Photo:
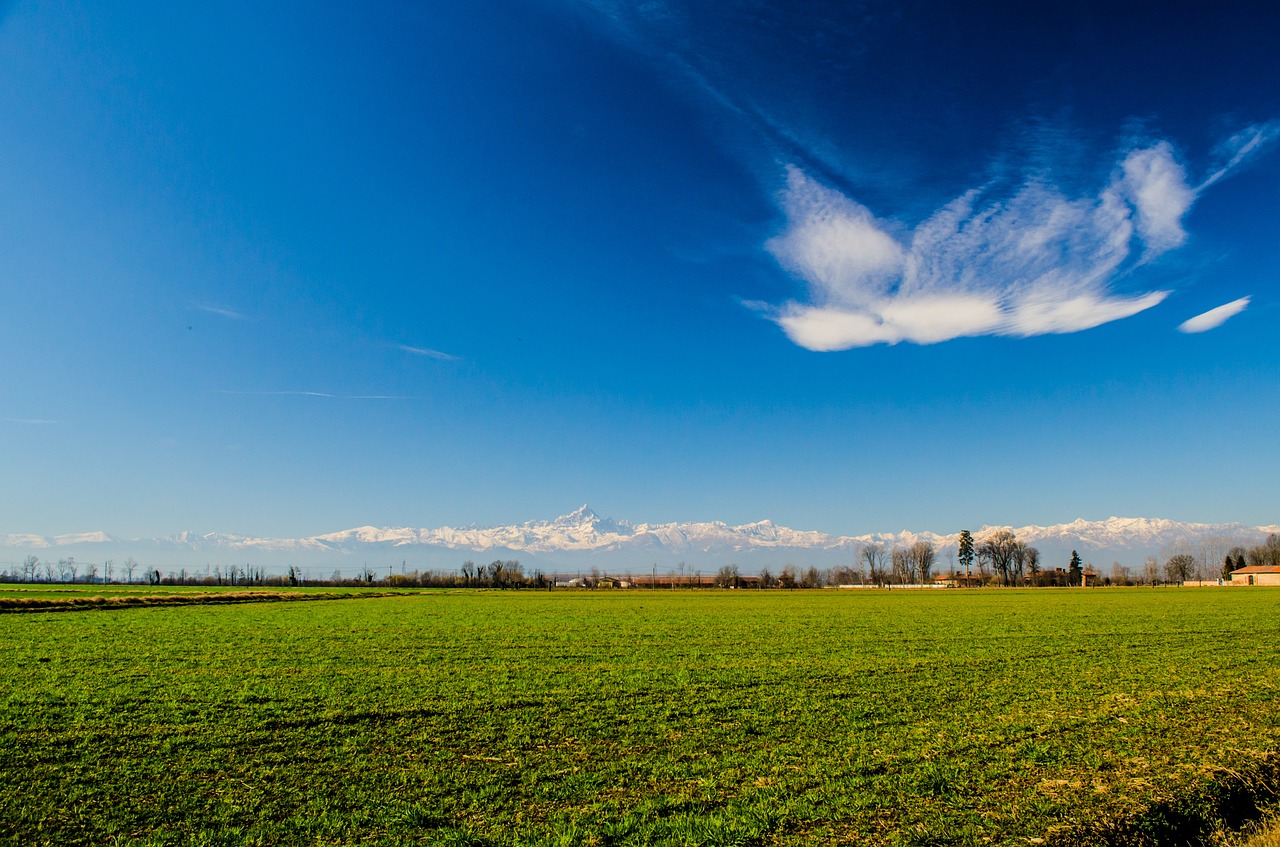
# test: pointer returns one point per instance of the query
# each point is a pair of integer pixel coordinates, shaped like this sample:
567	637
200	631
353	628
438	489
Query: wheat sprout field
1046	716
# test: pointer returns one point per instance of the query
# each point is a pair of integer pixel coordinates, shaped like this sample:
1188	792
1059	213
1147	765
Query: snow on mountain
583	533
82	538
21	540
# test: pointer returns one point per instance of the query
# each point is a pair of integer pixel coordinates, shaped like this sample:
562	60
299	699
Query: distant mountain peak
583	533
580	515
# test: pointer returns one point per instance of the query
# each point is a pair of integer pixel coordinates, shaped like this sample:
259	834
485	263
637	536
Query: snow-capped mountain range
583	537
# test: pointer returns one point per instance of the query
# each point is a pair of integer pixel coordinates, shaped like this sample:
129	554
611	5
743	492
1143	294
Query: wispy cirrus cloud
322	394
1035	262
427	352
1236	149
1214	318
222	311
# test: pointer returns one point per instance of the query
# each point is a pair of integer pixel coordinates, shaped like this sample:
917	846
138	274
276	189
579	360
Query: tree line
997	559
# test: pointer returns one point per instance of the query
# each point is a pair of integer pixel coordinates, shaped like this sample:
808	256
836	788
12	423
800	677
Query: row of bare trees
999	557
999	553
33	569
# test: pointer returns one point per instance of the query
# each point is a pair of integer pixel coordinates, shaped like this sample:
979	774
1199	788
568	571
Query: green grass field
596	718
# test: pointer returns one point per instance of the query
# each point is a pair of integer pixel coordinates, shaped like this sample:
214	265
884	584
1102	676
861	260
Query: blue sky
288	269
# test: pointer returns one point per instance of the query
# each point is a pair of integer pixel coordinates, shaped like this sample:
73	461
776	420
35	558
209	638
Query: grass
597	718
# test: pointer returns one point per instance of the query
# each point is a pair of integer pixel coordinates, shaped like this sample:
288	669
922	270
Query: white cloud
427	353
841	249
1030	263
1214	318
322	394
222	311
1157	185
1084	311
1241	146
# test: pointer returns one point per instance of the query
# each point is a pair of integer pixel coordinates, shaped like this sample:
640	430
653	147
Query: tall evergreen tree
966	551
1074	571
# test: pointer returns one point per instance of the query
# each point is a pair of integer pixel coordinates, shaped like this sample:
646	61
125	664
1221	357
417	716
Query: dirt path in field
127	601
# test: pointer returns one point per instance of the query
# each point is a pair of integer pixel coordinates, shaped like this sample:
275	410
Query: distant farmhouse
1256	575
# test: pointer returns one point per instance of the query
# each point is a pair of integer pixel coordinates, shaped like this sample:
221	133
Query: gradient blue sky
286	268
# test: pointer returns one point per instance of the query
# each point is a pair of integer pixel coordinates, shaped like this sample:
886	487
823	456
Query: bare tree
30	565
129	565
513	573
873	556
901	566
1025	558
921	555
1151	570
491	573
1266	554
1180	568
1031	558
90	572
998	549
983	558
842	575
787	578
1211	552
1119	574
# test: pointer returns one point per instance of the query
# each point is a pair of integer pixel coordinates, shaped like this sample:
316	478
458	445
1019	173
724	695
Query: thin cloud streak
33	421
1214	318
1033	263
1242	146
427	352
222	311
321	394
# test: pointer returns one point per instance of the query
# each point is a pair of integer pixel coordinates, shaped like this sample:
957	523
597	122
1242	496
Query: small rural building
958	580
1256	575
673	581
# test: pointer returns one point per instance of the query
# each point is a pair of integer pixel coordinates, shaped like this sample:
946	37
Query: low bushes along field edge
120	601
1225	804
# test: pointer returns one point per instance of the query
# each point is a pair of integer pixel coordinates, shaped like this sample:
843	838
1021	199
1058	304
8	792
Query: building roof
1257	569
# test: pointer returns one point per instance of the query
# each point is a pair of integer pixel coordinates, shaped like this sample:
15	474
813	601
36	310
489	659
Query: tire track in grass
18	605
